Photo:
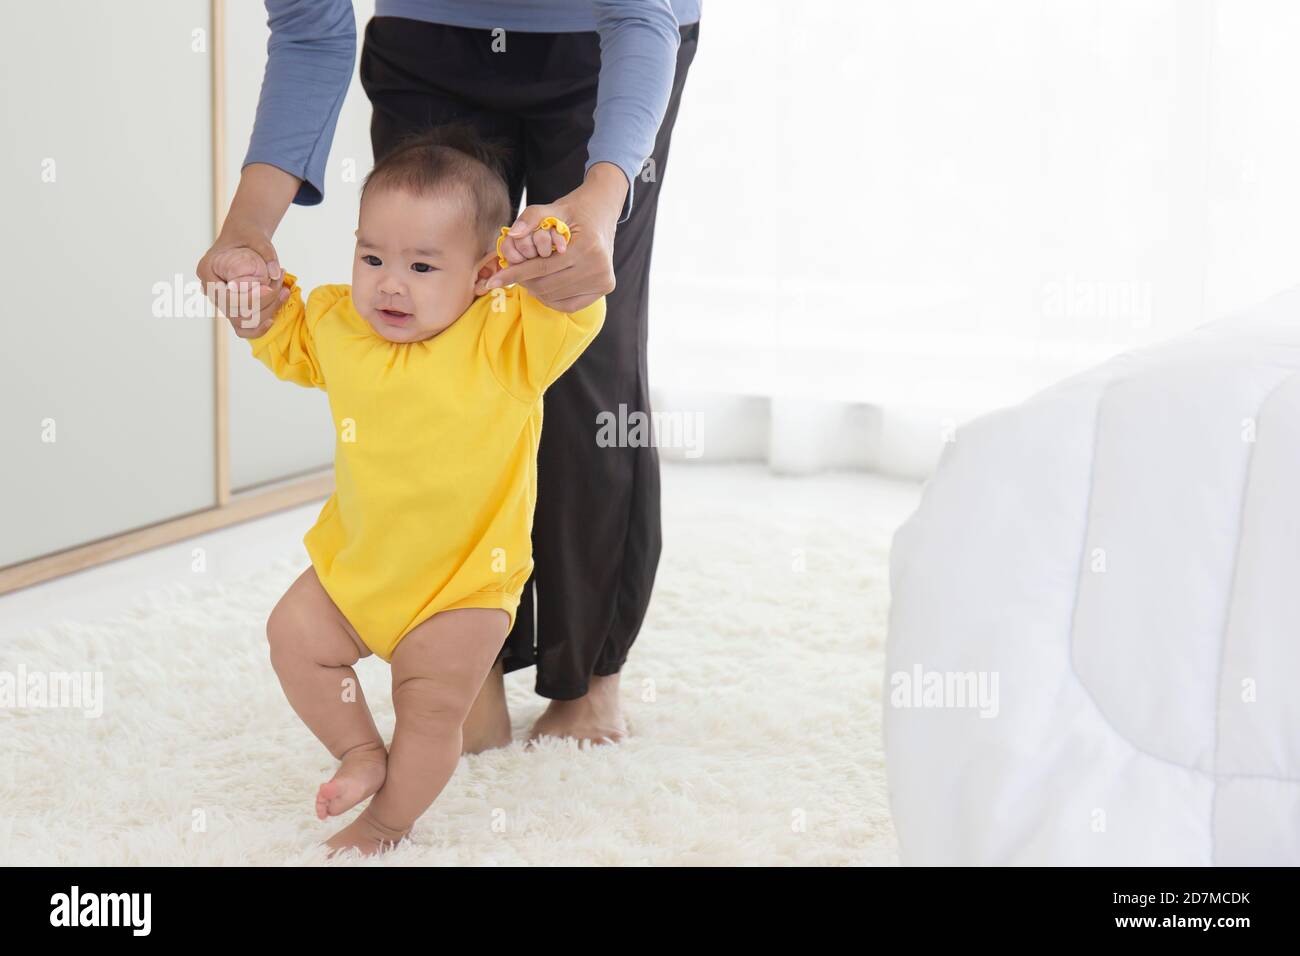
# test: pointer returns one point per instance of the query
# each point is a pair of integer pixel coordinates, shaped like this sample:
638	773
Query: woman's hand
585	270
242	277
241	273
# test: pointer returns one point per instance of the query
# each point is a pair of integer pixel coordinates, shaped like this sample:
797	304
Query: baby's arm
572	332
530	343
285	345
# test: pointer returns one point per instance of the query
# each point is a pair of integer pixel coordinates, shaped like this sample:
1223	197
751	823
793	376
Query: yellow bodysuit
435	458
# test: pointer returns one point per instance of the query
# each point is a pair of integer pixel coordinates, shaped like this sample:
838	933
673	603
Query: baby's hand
249	298
518	244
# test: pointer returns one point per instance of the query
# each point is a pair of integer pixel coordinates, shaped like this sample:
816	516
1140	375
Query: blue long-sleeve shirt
313	46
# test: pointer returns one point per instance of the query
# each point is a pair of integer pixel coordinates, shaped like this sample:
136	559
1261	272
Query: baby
421	553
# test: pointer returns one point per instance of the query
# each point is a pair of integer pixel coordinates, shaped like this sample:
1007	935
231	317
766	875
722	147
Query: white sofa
1115	563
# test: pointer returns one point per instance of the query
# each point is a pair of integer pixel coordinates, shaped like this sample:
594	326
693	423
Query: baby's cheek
434	298
364	275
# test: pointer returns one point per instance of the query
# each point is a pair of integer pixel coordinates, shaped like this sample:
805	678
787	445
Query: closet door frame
229	508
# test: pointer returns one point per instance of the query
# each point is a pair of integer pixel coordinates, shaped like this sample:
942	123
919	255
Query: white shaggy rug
753	695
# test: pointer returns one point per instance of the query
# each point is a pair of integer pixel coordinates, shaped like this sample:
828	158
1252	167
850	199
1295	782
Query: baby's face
415	265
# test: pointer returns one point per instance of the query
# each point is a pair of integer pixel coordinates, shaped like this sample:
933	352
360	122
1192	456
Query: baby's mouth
395	316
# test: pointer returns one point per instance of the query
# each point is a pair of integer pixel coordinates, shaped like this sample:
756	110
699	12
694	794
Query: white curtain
883	218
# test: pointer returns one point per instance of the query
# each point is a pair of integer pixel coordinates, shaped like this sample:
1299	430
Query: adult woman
585	92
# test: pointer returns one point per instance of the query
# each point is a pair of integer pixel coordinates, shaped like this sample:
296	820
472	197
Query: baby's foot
365	834
360	774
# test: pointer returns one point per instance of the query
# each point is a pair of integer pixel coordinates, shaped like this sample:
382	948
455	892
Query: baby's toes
328	792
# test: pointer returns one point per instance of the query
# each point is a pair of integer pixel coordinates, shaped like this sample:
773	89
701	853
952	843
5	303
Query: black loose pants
596	529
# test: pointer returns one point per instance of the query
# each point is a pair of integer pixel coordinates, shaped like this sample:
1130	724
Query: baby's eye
422	267
372	260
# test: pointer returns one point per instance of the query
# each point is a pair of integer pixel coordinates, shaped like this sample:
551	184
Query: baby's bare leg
313	648
438	669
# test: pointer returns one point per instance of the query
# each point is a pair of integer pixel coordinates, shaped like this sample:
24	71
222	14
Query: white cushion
1119	557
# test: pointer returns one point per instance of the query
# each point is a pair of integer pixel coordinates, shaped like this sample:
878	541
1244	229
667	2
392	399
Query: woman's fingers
574	303
526	271
570	283
230	278
248	296
240	274
239	263
556	280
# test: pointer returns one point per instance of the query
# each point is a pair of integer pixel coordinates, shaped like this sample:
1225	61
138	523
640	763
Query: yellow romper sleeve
287	348
530	345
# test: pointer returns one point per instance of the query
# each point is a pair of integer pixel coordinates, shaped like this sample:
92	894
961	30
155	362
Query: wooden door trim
242	506
220	361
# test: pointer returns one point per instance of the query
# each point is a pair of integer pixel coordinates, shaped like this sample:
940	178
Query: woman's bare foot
365	834
597	717
360	774
488	723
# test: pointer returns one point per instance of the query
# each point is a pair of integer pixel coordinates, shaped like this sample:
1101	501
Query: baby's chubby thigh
441	664
306	625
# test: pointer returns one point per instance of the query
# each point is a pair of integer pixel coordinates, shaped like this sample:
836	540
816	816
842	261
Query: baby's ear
487	267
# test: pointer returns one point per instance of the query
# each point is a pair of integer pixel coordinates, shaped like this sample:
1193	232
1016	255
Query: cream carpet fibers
753	696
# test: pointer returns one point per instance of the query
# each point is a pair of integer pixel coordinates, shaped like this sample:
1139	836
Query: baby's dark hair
450	158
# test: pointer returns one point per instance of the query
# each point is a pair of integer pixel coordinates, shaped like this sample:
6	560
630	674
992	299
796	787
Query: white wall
949	204
1254	161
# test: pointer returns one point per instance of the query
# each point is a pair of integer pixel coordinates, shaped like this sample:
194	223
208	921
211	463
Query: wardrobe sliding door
106	387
